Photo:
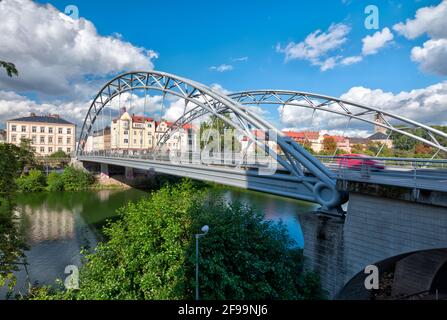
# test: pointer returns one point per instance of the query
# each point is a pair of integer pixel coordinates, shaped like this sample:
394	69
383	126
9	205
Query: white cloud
317	46
217	87
426	105
351	60
432	56
241	59
372	44
431	20
13	105
329	63
57	55
222	68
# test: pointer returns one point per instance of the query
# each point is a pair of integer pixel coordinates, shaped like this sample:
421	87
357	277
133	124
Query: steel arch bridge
301	175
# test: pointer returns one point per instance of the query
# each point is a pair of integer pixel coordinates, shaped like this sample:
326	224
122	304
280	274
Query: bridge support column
104	171
129	173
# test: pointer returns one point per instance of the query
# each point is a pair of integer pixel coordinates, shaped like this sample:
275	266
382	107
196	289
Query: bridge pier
129	173
383	226
104	171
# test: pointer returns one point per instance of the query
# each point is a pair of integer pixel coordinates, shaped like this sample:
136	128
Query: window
50	130
34	149
68	130
13	128
42	139
13	138
59	149
134	141
126	132
60	131
42	129
23	137
126	140
68	140
50	139
59	140
50	149
23	128
42	149
68	150
34	129
34	139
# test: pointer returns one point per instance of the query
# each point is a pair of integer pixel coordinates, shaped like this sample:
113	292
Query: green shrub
150	253
34	181
75	179
54	182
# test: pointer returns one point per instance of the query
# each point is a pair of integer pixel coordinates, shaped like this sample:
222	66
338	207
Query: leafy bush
34	181
150	253
75	179
59	155
54	182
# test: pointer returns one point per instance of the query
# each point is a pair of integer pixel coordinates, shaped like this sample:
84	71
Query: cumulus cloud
432	56
58	55
426	105
217	87
372	44
431	20
351	60
317	46
222	68
13	105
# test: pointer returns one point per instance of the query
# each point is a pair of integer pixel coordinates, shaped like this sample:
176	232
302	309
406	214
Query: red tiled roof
141	119
303	135
338	138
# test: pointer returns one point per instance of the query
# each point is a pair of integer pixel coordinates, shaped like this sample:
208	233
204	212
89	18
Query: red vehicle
359	162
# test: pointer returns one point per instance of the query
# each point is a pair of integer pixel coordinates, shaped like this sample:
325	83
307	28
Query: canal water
59	225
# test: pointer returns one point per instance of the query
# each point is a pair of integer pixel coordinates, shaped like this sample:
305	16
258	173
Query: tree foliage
34	181
75	179
150	253
12	243
329	144
10	68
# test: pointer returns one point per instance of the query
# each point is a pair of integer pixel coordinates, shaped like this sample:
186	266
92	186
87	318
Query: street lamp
205	230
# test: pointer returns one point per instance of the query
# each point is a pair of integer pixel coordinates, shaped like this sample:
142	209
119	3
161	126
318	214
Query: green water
58	225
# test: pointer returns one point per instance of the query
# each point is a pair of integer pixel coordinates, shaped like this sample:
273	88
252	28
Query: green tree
150	253
12	242
55	182
34	181
329	145
26	156
216	123
10	68
76	179
59	155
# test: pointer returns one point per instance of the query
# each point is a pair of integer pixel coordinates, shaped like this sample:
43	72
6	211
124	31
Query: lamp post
205	230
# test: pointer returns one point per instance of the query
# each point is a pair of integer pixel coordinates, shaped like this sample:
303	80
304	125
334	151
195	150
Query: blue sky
315	46
192	36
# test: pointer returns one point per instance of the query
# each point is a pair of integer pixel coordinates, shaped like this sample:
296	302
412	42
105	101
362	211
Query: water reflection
275	209
59	225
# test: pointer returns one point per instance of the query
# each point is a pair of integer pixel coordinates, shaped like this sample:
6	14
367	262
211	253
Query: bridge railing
218	159
410	172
